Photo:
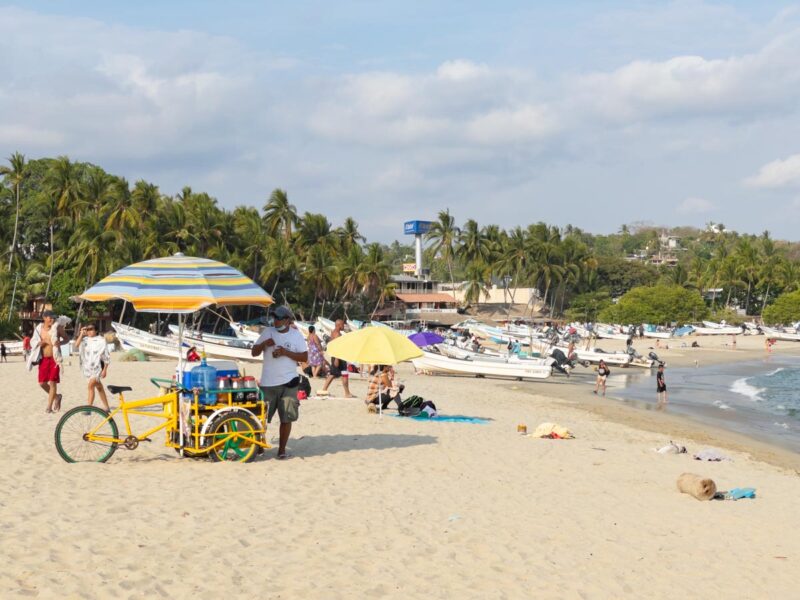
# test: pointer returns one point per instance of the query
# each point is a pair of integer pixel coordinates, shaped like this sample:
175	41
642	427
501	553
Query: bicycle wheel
237	432
71	431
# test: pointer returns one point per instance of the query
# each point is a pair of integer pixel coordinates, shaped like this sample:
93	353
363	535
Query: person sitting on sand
382	388
95	359
602	375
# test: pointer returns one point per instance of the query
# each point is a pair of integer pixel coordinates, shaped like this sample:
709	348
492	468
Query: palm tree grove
66	224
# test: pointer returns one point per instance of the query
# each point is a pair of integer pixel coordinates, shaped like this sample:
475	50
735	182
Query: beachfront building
419	300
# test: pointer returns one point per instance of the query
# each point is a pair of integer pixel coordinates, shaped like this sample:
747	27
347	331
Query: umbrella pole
380	401
180	375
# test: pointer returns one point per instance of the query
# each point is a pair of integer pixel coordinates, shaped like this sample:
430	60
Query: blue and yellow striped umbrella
178	284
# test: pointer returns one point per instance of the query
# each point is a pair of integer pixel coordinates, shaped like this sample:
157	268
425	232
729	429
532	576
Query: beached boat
439	364
151	344
711	328
13	347
609	332
651	331
324	326
779	333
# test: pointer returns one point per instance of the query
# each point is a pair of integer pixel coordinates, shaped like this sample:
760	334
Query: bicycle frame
132	408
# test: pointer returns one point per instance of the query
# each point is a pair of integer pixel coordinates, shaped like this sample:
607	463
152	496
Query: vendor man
283	346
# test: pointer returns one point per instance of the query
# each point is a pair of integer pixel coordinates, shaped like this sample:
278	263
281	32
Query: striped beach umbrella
178	284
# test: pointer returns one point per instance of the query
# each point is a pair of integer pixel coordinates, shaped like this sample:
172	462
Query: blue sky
590	113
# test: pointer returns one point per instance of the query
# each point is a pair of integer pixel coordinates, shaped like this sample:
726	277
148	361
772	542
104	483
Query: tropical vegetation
64	225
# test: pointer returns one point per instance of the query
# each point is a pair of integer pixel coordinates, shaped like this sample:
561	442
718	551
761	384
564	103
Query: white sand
388	508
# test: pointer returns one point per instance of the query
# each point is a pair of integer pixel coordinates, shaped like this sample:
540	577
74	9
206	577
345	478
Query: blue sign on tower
416	227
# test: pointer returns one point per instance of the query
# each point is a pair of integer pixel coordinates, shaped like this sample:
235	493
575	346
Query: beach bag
410	406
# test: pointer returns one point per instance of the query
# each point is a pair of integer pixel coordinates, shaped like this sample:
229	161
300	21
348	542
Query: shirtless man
338	366
49	370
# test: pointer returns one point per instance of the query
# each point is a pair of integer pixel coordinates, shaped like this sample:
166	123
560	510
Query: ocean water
759	398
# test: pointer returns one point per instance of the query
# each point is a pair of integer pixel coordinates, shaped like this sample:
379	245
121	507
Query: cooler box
225	368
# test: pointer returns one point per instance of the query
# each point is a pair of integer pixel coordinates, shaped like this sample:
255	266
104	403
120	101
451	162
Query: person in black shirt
661	387
602	375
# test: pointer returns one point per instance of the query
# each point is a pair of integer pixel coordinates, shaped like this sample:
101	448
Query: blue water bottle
204	377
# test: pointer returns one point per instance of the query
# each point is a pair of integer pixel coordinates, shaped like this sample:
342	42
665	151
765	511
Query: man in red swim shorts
46	352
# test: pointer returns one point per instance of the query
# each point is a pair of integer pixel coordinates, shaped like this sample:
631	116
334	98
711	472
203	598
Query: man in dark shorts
283	347
661	387
338	366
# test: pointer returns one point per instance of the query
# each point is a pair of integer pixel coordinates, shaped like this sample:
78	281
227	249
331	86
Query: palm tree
251	231
280	214
122	214
748	263
314	229
472	243
280	258
444	235
376	270
145	197
91	246
64	183
319	272
477	274
770	261
348	234
350	271
14	175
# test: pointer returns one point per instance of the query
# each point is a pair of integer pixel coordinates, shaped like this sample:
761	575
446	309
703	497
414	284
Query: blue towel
739	493
447	418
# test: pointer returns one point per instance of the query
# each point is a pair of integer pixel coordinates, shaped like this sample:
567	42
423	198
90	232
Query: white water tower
417	229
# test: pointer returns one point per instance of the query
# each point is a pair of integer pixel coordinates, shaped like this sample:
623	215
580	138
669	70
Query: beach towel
711	455
447	418
35	356
553	431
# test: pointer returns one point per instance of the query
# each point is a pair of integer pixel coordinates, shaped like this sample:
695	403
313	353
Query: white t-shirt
281	370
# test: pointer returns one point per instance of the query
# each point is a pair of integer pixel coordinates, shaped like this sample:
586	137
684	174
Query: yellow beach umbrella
374	346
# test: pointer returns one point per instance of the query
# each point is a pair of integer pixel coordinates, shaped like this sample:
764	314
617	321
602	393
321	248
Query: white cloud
777	174
694	206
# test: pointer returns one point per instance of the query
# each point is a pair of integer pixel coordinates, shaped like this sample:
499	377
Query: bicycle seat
116	389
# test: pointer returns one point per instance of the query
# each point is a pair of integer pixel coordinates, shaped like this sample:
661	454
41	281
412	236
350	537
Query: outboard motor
654	357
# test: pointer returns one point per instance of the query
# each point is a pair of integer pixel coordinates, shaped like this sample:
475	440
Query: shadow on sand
320	445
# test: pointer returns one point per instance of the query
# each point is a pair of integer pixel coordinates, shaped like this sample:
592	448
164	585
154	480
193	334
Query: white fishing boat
780	333
651	331
151	344
438	364
201	336
711	328
324	326
609	332
13	347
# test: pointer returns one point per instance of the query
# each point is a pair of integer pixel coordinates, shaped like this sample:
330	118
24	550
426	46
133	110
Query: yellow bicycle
230	428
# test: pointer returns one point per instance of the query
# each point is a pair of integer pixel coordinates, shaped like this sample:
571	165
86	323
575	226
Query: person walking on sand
3	352
602	375
46	352
283	347
316	356
95	359
661	387
338	366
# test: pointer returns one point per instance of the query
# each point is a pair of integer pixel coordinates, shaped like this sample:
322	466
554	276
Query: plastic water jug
204	377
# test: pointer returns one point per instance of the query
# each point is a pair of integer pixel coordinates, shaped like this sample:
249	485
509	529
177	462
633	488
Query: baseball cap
283	312
49	313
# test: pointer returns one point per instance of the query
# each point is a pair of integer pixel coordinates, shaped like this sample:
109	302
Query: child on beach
661	387
602	375
95	359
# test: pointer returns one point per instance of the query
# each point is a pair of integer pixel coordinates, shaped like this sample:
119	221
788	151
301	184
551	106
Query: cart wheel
236	434
71	431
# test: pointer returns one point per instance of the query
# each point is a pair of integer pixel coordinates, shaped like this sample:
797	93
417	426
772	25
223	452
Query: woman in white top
95	359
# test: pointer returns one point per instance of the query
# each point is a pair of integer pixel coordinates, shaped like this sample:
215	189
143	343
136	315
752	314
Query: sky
590	113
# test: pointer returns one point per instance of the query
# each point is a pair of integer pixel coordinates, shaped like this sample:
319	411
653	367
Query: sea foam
740	386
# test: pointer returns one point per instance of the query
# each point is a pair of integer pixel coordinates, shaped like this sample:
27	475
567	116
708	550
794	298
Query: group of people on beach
661	386
44	352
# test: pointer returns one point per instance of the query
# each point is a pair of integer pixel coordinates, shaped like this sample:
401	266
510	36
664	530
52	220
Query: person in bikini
602	376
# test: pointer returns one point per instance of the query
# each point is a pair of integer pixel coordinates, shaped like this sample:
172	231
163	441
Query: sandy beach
391	507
